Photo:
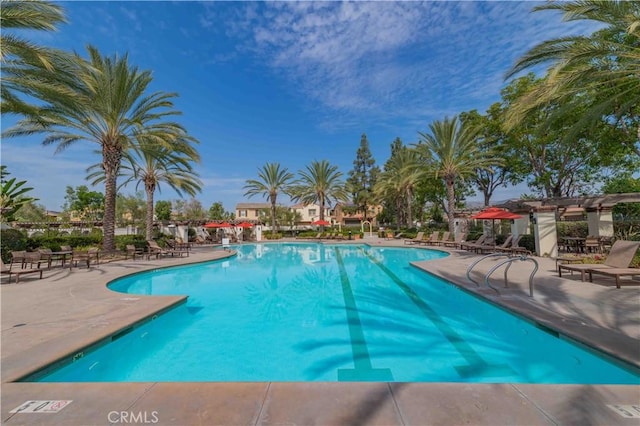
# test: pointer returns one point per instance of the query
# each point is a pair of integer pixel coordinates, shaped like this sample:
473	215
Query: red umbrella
244	225
224	225
493	214
212	225
321	223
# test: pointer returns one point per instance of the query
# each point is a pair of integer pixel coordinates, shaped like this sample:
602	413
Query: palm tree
273	180
20	58
605	65
320	183
398	181
152	164
451	150
110	108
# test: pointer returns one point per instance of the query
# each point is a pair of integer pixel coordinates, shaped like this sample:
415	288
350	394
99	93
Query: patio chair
6	270
417	240
91	255
592	245
457	242
133	251
46	255
620	256
18	257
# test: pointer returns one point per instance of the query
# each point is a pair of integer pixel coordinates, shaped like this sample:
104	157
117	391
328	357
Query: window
312	212
242	213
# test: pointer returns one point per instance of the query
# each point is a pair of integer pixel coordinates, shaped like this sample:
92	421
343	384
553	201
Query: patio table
576	243
62	255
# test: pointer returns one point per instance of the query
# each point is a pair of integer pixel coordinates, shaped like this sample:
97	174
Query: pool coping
267	401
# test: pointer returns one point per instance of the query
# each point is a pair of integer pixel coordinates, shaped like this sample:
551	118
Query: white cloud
392	59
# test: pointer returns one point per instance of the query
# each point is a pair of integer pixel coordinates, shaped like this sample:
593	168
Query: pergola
543	214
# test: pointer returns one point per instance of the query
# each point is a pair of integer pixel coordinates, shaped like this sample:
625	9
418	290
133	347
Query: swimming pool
318	312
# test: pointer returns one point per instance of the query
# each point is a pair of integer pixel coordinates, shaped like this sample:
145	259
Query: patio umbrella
321	223
225	225
212	225
244	225
493	214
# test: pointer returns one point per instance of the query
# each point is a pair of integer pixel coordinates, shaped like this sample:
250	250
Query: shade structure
225	225
321	223
495	213
244	225
212	225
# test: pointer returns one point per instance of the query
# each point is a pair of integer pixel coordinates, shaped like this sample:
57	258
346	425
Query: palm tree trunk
322	212
111	156
149	225
451	202
273	214
409	209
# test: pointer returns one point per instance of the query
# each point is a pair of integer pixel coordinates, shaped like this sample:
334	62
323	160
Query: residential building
345	215
311	212
250	211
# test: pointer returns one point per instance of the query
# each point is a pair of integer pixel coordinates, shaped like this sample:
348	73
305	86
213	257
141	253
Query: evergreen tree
362	177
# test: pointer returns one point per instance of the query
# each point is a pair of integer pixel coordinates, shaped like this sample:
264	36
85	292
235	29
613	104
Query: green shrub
270	236
12	240
307	234
528	241
54	242
572	229
138	241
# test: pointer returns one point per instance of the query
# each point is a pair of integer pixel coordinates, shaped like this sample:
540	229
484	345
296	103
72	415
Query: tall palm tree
273	180
605	64
451	150
111	108
320	183
151	165
20	58
398	181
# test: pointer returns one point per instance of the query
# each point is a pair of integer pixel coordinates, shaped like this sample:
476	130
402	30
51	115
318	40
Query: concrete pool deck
55	317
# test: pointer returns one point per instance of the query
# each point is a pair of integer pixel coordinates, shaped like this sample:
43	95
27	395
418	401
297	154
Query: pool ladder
510	259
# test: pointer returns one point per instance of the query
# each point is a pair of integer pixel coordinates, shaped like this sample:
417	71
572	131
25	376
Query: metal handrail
480	260
506	282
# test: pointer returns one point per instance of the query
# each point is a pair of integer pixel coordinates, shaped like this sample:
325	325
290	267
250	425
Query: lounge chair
417	240
515	248
471	245
620	256
7	271
614	272
443	238
154	248
489	248
457	242
433	238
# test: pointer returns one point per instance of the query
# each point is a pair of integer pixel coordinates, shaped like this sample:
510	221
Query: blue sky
293	82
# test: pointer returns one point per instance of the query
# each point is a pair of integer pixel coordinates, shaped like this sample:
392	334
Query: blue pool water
316	312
